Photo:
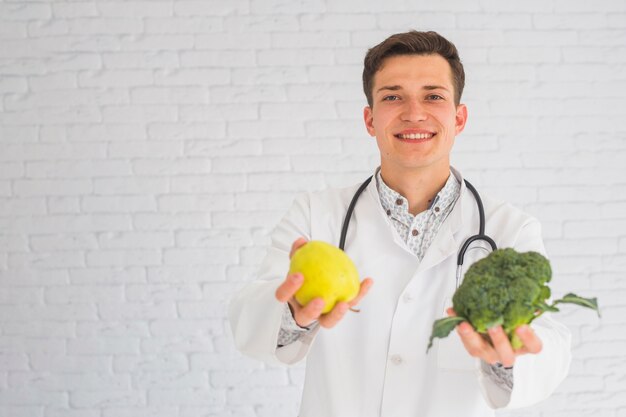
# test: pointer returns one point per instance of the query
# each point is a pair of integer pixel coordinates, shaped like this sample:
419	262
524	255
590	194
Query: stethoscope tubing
346	221
481	229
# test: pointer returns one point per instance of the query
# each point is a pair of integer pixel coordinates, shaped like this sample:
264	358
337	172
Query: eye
434	97
391	98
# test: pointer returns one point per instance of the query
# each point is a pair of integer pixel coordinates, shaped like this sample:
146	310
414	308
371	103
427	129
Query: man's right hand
306	315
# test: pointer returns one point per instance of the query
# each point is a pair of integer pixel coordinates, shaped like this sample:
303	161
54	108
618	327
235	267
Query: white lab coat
374	363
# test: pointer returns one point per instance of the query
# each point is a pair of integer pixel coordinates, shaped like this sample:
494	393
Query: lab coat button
396	359
407	298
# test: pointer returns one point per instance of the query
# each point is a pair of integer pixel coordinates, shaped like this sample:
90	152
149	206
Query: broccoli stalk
506	288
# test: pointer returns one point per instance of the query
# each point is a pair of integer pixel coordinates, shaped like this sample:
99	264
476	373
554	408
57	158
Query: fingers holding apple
364	288
330	319
322	284
307	314
297	244
293	282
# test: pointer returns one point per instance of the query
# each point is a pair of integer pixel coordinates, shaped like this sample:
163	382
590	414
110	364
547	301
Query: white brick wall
147	148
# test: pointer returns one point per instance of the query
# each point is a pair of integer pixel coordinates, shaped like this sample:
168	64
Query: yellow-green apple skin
328	273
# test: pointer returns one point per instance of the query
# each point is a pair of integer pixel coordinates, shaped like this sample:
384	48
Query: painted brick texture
148	148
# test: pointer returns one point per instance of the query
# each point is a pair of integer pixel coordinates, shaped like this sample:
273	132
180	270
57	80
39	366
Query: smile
415	136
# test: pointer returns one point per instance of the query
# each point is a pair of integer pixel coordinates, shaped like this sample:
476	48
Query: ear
461	118
368	117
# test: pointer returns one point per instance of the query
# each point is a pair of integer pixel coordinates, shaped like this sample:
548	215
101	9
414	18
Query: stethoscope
480	236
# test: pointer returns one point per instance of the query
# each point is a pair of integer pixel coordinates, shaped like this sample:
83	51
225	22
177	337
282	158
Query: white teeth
416	136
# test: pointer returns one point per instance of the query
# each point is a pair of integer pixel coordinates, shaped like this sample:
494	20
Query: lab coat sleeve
535	376
254	313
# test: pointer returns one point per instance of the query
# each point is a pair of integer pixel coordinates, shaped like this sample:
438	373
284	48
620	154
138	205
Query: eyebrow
389	87
397	87
435	87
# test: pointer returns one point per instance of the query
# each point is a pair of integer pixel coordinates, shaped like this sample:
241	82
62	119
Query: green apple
328	273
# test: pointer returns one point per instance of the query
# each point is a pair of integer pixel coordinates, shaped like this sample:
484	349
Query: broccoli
506	288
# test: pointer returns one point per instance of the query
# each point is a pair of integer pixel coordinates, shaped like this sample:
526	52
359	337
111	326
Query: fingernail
522	329
297	278
494	330
318	303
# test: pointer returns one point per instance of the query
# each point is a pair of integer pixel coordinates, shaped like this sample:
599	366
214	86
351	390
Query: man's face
413	114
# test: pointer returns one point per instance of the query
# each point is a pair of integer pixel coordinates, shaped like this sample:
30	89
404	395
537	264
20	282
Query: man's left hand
501	351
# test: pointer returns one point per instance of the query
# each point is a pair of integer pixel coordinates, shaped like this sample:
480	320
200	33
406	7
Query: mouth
415	137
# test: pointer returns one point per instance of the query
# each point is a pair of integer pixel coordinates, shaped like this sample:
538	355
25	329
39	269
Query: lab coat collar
447	242
374	200
397	206
456	216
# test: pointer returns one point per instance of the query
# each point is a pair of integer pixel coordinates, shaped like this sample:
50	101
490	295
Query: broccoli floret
506	288
484	300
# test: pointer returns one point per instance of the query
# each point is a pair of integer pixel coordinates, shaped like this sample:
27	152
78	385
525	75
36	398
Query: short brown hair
413	43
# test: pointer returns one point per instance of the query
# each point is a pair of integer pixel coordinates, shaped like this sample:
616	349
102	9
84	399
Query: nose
414	111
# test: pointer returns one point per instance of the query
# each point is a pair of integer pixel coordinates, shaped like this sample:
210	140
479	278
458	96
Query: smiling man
409	222
415	118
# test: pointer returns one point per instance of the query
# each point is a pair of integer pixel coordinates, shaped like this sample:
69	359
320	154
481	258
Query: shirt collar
397	206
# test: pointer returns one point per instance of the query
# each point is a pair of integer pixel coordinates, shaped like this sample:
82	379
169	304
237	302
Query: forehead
414	69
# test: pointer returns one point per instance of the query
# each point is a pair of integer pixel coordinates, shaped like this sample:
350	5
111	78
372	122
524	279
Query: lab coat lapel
441	248
447	242
382	222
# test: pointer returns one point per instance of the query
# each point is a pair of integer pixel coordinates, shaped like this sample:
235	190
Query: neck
419	186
